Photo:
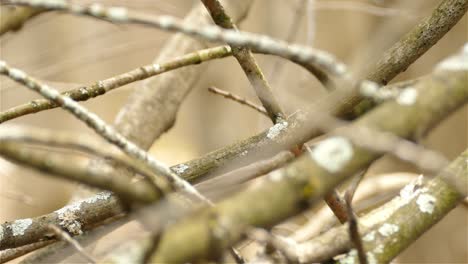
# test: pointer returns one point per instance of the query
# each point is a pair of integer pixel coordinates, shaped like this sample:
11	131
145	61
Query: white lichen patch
368	88
276	175
369	236
371	258
408	96
17	74
426	203
102	196
1	233
181	168
166	21
275	130
458	62
156	67
412	189
69	208
465	49
69	219
379	249
3	66
350	258
388	229
117	13
333	153
19	226
54	3
96	10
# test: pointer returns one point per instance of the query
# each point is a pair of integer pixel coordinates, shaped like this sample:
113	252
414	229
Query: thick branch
141	73
195	169
392	227
304	181
13	18
103	86
59	166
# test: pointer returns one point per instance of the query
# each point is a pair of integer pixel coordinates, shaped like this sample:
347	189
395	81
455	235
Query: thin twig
305	180
57	165
351	190
78	142
323	218
257	42
238	99
248	63
100	127
13	253
103	86
141	73
66	237
354	235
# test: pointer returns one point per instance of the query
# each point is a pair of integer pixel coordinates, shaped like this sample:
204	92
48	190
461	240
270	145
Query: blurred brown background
66	51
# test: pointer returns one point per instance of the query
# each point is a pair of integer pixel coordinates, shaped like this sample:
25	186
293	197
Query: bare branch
109	84
13	253
354	235
299	53
66	237
57	165
13	18
371	187
248	63
238	99
100	127
308	178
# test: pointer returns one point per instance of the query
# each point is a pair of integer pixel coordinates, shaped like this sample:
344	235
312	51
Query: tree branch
300	184
13	18
238	99
248	63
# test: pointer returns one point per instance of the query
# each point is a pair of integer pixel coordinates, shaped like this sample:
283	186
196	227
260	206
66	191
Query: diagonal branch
238	99
248	63
13	18
299	185
392	227
100	127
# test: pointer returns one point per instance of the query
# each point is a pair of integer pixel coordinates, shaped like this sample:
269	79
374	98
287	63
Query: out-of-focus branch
392	227
66	237
304	181
262	43
354	234
439	22
101	87
420	208
248	63
13	18
59	166
76	218
343	101
188	171
141	73
238	99
152	109
76	142
407	50
100	127
12	253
